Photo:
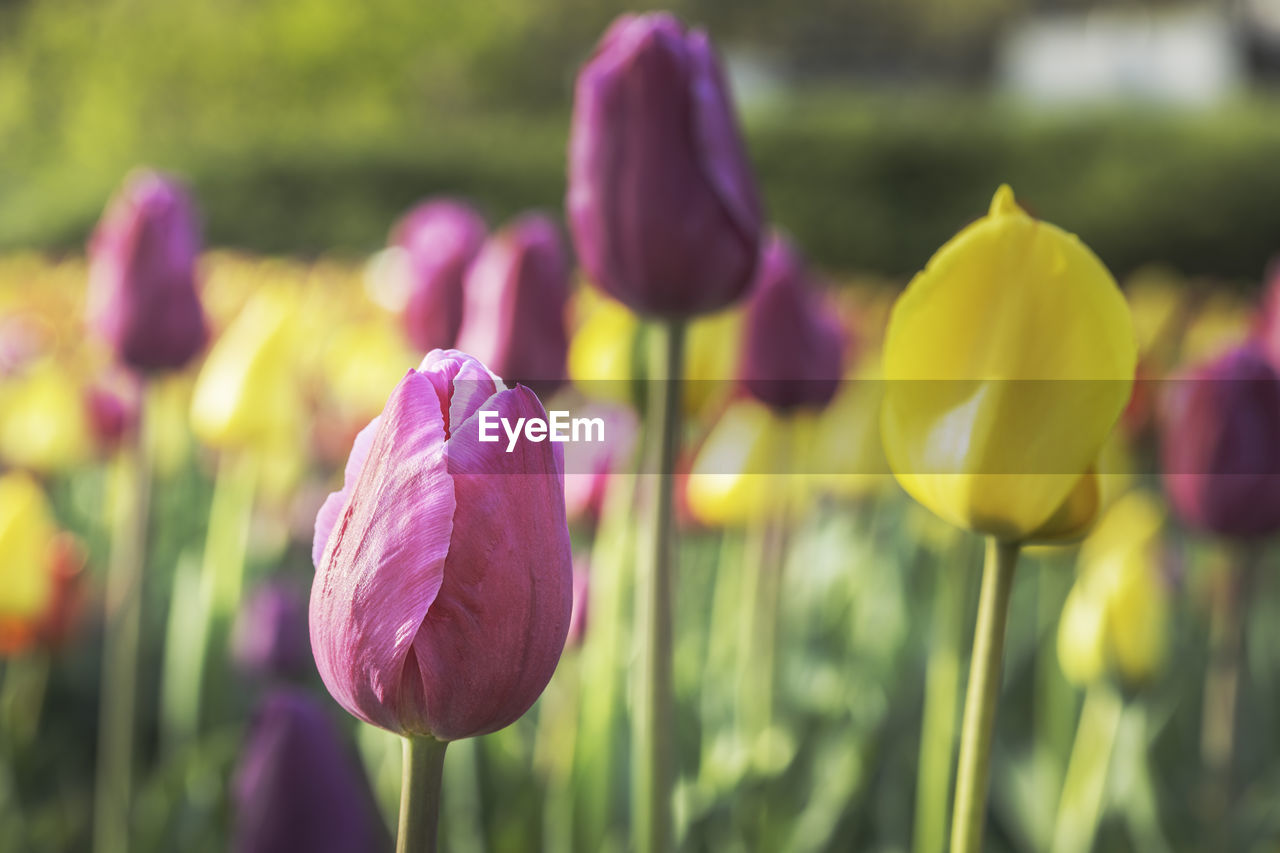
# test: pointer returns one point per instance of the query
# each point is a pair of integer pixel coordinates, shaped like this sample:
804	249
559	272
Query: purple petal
384	562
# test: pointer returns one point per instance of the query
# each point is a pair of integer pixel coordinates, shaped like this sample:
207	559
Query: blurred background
306	128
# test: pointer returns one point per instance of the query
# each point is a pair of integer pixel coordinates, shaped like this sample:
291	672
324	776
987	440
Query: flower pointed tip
1003	203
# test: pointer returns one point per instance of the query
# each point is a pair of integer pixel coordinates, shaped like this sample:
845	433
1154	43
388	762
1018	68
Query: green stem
420	794
123	624
974	770
941	697
653	721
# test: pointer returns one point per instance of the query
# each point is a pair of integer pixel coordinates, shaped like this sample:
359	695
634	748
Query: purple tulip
516	293
444	585
269	638
662	204
441	238
142	275
1220	445
298	787
792	345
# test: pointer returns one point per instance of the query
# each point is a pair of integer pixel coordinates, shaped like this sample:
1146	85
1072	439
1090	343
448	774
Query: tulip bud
299	787
1219	447
1007	362
793	347
112	405
516	293
441	238
39	569
1115	618
142	275
269	638
26	532
661	201
443	582
43	422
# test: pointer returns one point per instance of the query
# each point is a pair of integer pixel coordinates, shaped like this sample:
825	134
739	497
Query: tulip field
634	526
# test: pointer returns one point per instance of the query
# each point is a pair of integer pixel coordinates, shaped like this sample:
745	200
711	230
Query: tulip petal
463	383
492	639
384	562
332	507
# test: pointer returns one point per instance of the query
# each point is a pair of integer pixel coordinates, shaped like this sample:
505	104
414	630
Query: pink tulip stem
985	668
122	629
652	744
420	794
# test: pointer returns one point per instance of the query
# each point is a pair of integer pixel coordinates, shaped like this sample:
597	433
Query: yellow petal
1082	638
977	423
247	391
742	474
26	534
43	425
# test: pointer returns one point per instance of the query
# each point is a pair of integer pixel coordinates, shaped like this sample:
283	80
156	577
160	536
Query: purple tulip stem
122	627
985	666
1232	588
420	794
652	744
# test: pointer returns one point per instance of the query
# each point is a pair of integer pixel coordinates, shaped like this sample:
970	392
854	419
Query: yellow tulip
43	422
602	350
246	395
1116	616
847	459
27	532
362	364
745	471
976	424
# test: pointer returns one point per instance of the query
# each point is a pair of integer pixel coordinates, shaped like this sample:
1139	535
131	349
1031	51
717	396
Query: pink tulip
514	305
443	582
441	238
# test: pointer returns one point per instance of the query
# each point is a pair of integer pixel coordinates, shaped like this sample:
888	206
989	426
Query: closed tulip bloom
1116	617
269	638
443	585
142	275
1219	445
661	201
440	238
299	786
516	295
44	424
1007	362
792	345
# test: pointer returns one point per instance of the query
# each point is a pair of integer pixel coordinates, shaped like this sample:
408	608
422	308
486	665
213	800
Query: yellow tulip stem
1080	807
941	695
652	745
421	784
985	668
120	642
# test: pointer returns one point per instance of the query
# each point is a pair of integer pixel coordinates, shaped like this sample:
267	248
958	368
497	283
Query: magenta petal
462	382
384	563
332	507
494	635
